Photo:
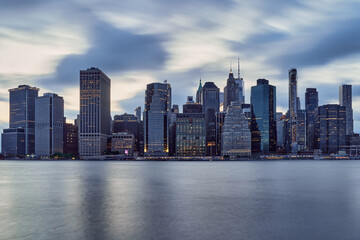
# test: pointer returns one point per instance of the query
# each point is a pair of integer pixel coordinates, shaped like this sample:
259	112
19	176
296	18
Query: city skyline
198	40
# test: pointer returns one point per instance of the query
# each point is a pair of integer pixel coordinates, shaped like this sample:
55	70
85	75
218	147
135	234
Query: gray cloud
112	50
342	41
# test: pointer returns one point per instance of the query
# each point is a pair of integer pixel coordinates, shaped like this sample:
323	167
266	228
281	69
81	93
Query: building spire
230	66
200	86
239	68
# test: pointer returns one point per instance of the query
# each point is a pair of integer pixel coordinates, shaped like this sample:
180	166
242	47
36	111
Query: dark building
71	139
330	125
209	97
263	110
95	116
49	128
138	113
345	99
220	119
190	134
301	127
191	107
293	110
22	115
311	104
231	91
198	92
13	142
128	123
156	119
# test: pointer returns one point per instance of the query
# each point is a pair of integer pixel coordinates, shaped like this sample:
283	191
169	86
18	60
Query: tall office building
263	111
345	99
191	107
138	113
22	115
190	134
49	124
301	129
128	123
231	92
95	116
209	97
240	86
280	138
236	135
71	139
156	119
293	105
330	126
311	104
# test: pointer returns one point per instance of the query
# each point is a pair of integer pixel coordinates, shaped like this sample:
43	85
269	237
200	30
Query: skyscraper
345	99
22	115
209	97
293	104
49	124
198	92
71	139
311	104
94	112
330	126
138	113
156	119
240	86
128	123
236	136
231	92
263	111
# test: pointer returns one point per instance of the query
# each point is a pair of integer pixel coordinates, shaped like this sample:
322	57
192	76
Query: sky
44	43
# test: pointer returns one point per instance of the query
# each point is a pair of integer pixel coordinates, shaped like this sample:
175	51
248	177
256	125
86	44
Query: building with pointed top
240	86
198	92
230	91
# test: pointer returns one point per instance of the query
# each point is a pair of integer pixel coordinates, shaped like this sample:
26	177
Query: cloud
112	50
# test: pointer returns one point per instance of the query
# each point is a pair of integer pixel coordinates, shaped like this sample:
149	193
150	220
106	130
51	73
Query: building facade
293	109
345	99
128	123
49	124
13	142
190	134
123	143
231	91
22	115
311	104
95	116
156	119
263	111
330	126
71	139
236	135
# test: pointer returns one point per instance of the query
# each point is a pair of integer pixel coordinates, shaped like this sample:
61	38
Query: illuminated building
263	111
156	119
236	135
94	112
190	134
123	143
330	128
345	99
49	120
128	123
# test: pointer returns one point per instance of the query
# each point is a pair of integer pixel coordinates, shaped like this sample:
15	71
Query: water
180	200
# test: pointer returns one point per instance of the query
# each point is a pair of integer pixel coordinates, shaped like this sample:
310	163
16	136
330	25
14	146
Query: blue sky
44	43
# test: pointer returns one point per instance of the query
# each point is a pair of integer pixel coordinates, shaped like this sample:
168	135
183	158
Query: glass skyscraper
330	128
22	115
49	128
345	99
293	109
263	111
156	119
311	104
95	116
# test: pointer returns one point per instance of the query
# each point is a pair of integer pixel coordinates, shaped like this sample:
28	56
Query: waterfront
180	200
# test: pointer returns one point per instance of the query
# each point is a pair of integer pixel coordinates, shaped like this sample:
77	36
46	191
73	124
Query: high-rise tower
49	120
240	86
230	91
293	104
311	103
94	112
345	99
157	119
